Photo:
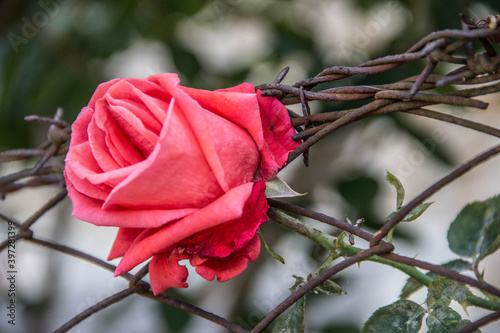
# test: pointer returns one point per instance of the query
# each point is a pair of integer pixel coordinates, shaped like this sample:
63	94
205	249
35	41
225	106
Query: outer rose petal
272	134
123	240
229	267
228	207
101	90
165	272
237	104
235	235
278	133
89	209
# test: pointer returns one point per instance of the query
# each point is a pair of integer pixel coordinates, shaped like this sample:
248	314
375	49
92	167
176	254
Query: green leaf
475	232
410	287
277	188
414	214
442	290
491	241
271	252
417	211
445	320
402	316
293	319
400	191
413	285
331	288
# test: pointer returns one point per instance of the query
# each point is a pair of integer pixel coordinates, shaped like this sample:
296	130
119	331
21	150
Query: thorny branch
399	216
480	322
410	96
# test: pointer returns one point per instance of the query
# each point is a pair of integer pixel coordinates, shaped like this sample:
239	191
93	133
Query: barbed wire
405	96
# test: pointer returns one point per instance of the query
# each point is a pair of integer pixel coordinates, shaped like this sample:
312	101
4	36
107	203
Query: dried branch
196	311
45	208
100	306
77	254
48	170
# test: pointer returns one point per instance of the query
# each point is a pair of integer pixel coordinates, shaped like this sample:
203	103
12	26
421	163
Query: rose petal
238	104
272	133
174	176
124	238
127	95
228	207
233	236
278	133
229	149
89	209
101	90
85	187
165	272
228	267
155	105
98	146
120	146
79	127
144	139
84	166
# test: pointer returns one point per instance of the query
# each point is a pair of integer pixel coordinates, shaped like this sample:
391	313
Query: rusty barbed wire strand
396	106
432	42
48	170
455	120
436	47
401	263
329	128
196	311
419	112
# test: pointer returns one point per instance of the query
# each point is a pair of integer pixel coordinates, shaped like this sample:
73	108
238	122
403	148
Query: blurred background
54	53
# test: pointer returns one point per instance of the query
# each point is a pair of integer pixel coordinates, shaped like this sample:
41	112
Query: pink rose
180	171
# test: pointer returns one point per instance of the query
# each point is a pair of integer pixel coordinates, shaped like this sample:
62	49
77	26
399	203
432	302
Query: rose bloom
180	171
